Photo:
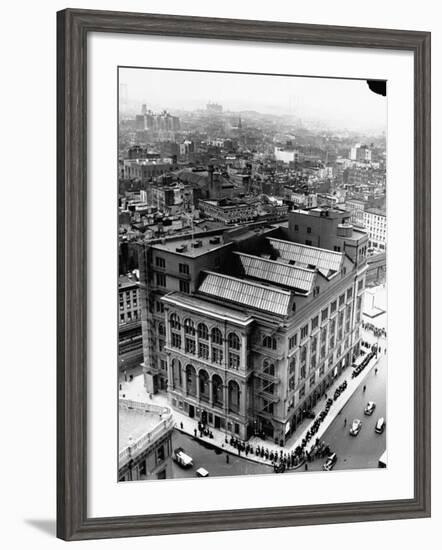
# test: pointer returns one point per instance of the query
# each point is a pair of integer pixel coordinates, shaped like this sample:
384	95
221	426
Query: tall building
255	330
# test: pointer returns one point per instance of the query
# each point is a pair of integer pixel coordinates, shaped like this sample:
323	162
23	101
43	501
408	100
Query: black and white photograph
252	296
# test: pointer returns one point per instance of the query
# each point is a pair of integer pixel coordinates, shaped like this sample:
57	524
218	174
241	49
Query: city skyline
337	103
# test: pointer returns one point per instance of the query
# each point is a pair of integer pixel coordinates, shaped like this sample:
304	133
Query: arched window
175	322
217	391
217	337
191	380
269	342
203	332
161	329
189	327
204	385
233	341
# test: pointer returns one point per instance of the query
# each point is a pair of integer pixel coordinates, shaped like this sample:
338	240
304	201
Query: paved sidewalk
135	390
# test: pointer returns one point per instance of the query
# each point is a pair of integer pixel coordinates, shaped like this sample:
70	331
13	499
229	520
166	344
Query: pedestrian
345	422
376	370
364	388
306	466
227	459
181	425
195	432
121	387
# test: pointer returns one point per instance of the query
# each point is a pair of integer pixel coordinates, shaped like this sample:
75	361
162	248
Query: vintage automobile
355	427
369	408
202	472
181	458
380	425
330	462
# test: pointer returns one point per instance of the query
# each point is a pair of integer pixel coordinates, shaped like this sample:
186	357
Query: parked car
380	425
182	458
330	462
369	408
202	472
355	427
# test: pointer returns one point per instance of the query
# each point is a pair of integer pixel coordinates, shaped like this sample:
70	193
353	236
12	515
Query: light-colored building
145	441
375	223
228	211
286	155
360	153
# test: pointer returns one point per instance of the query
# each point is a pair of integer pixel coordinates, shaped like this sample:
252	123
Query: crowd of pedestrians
378	332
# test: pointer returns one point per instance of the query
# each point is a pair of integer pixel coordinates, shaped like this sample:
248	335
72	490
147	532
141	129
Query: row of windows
161	263
216	337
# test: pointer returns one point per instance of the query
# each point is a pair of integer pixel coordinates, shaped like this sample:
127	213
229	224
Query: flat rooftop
134	423
190	250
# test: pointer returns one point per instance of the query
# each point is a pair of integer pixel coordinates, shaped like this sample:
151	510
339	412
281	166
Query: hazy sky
341	103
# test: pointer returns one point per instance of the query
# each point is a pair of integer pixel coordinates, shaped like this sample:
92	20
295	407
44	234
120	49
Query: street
364	450
213	460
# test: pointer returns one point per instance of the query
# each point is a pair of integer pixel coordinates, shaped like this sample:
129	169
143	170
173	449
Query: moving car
330	462
182	458
380	425
369	408
202	472
355	427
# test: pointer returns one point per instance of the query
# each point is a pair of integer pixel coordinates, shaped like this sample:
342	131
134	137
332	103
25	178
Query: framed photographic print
243	274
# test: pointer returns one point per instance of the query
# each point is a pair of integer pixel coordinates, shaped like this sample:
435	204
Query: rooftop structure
266	298
300	279
192	248
328	263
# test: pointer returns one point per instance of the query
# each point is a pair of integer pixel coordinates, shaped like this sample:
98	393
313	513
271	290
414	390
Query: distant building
145	441
360	153
228	211
130	345
286	155
146	169
214	108
301	199
356	209
375	223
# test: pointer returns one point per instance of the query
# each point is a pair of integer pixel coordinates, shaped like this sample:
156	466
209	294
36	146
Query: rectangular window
185	287
160	262
292	366
160	345
349	293
302	372
324	314
333	307
304	332
161	279
203	351
296	227
233	361
176	340
291	383
293	340
190	346
341	300
308	242
309	229
184	268
315	322
312	380
360	285
321	369
217	355
302	392
337	248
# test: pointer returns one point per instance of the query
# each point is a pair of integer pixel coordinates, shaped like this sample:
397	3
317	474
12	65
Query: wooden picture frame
73	27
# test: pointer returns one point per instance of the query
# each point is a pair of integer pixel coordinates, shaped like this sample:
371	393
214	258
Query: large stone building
130	346
254	331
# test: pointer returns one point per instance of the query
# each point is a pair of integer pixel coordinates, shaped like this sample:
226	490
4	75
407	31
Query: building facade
145	441
375	223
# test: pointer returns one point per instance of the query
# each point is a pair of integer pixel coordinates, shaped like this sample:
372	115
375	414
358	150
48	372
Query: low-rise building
145	441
